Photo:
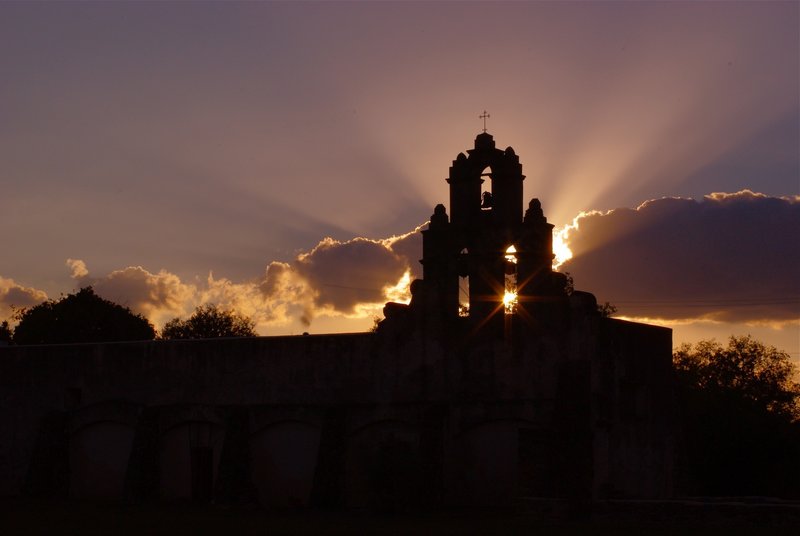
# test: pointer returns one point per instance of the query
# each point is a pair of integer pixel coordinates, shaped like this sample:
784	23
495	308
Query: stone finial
439	217
534	213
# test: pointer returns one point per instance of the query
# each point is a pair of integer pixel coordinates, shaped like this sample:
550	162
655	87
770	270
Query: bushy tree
209	321
80	317
738	409
746	368
6	335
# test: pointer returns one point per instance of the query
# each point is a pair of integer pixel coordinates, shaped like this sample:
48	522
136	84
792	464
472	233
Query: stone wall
342	420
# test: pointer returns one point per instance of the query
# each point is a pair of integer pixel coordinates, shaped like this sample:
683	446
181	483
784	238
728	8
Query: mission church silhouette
497	382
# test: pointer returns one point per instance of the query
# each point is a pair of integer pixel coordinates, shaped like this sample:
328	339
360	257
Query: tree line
86	317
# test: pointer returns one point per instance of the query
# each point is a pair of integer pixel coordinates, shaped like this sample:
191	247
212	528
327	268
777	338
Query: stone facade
330	419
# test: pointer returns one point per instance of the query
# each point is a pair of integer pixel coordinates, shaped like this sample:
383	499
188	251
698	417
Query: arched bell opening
463	284
510	298
487	201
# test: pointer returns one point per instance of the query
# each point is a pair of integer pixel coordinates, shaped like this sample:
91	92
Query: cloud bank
730	257
346	275
352	278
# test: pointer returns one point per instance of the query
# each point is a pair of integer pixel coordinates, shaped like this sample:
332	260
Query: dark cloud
346	274
351	278
409	247
729	257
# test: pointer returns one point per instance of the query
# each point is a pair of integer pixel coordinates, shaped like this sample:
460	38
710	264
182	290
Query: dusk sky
274	157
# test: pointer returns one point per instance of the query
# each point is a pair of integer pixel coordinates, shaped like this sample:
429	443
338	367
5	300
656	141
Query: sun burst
510	302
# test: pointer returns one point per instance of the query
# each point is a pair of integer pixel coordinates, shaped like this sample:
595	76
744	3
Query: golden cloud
16	296
350	279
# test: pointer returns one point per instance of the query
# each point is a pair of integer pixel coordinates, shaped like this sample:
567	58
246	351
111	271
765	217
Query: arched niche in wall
382	466
283	458
100	442
98	459
189	456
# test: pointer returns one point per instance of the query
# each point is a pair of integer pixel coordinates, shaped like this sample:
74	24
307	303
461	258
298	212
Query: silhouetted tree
606	310
80	317
569	284
738	406
6	335
747	369
207	322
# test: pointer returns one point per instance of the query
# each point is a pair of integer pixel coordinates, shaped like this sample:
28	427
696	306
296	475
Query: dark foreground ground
729	517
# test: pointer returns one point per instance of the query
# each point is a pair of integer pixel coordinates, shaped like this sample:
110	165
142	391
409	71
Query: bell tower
486	261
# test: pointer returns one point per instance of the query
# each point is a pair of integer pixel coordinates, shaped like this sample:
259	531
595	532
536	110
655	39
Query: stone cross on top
484	116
